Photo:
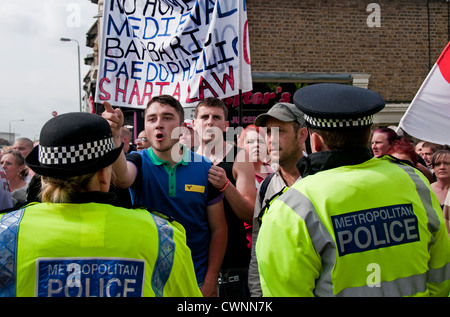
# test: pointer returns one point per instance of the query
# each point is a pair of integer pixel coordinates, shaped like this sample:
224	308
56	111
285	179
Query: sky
39	73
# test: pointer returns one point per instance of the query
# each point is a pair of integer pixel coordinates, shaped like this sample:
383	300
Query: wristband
226	185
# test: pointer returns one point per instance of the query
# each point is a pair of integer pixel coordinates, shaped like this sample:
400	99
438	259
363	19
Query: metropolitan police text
375	228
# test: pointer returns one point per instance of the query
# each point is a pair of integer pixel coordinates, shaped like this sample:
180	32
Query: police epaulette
17	207
164	216
399	161
155	212
5	211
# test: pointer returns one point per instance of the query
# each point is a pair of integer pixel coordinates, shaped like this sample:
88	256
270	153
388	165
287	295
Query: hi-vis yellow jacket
93	250
372	229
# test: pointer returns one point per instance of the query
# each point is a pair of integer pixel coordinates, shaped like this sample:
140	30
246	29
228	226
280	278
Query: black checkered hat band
75	153
339	123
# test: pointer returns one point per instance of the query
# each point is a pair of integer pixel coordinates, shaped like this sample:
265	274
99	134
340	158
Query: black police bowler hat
73	144
336	106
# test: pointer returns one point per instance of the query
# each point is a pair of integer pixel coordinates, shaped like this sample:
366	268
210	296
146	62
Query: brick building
387	46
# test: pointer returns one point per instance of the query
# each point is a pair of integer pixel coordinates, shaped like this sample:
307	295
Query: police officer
354	225
76	242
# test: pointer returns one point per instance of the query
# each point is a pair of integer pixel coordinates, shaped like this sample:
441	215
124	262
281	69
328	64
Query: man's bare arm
242	196
244	174
217	247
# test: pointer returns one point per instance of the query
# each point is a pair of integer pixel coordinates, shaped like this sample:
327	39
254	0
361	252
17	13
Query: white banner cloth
186	49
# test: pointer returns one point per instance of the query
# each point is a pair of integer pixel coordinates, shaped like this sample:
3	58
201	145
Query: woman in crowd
188	136
382	140
252	140
404	150
440	163
14	166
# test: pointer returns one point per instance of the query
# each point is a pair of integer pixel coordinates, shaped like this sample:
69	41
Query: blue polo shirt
182	192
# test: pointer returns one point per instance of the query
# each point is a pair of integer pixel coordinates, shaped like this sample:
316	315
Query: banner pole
240	108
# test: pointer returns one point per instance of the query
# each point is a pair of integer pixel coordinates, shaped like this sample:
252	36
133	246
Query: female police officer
76	243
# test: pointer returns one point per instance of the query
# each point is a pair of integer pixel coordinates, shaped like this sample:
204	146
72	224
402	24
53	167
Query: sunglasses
140	140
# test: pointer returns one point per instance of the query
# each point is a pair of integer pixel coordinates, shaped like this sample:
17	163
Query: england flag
428	116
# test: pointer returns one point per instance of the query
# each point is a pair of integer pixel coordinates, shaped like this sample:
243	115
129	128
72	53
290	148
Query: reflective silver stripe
425	196
9	228
166	254
406	286
322	240
411	284
324	244
439	275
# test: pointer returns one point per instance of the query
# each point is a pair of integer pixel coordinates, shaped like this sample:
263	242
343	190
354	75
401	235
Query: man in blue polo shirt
169	178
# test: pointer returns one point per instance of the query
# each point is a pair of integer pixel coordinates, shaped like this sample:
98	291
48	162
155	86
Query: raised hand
114	118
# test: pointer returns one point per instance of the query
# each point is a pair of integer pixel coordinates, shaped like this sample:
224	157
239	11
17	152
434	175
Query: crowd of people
15	174
199	215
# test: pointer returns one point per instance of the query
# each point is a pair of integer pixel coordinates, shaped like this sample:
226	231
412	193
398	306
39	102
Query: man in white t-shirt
286	148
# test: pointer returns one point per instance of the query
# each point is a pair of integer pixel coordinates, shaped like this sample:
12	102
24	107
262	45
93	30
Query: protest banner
428	115
186	49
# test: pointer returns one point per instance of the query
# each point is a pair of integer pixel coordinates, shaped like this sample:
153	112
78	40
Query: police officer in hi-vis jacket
355	225
76	242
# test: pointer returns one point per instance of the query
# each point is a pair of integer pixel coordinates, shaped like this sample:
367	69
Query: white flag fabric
188	49
428	116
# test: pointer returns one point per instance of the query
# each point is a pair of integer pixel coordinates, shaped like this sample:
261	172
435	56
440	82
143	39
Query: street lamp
11	141
64	39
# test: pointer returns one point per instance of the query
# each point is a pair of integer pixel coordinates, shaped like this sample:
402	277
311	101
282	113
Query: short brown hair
342	139
212	102
170	101
433	146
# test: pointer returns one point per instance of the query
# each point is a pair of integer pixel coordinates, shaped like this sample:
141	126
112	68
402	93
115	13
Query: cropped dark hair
344	139
433	146
212	102
170	101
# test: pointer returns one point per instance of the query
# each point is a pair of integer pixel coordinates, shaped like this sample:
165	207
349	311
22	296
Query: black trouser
233	283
